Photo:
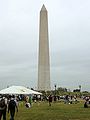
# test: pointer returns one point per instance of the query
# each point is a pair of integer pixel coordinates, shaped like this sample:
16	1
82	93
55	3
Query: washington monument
43	60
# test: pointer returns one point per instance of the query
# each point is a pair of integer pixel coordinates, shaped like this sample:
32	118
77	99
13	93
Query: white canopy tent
19	90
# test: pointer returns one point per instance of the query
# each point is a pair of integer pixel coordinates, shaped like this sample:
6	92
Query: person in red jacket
50	100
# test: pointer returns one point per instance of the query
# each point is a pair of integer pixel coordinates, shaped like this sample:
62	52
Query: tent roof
18	90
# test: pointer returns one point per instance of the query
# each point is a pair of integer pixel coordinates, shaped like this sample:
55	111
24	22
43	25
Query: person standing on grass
11	107
3	107
50	100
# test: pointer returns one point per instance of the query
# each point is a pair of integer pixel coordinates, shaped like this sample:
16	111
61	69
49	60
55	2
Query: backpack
12	104
2	103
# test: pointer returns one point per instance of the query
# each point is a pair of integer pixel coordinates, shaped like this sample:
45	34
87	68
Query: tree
62	89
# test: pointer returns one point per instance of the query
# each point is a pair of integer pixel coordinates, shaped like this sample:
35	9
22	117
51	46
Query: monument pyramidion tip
43	8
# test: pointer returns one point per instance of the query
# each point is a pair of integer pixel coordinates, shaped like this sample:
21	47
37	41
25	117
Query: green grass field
58	111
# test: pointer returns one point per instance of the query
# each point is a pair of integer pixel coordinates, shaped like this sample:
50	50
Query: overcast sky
69	39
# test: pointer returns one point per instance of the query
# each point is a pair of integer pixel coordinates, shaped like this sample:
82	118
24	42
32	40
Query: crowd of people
10	103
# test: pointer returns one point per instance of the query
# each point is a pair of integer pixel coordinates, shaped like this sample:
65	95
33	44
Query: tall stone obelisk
44	59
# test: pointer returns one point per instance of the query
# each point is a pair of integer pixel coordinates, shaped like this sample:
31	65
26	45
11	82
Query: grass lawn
58	111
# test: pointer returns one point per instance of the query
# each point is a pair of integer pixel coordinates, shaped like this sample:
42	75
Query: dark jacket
12	105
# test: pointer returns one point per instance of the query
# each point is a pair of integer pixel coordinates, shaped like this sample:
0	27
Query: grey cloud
69	36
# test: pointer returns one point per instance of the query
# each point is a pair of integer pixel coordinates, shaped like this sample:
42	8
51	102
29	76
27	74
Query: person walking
3	108
50	100
12	106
